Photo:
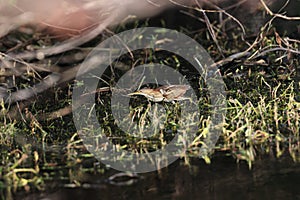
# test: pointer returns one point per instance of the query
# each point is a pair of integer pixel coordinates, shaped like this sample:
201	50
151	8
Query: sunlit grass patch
270	125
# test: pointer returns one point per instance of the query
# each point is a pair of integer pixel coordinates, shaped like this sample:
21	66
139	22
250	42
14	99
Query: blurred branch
276	14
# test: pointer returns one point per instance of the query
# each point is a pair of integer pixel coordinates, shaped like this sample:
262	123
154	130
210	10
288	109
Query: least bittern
167	93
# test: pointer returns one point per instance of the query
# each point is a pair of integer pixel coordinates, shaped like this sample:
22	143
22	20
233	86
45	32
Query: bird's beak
134	93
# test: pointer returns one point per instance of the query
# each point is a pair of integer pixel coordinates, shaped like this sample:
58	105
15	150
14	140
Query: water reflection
223	179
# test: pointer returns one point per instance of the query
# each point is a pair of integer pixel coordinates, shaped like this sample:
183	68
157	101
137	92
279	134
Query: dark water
269	178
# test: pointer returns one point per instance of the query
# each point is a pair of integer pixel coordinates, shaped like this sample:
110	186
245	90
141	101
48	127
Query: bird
165	93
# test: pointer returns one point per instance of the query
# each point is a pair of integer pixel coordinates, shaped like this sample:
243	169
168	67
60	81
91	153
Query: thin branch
276	14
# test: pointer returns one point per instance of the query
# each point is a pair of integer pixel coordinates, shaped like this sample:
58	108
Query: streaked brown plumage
167	93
